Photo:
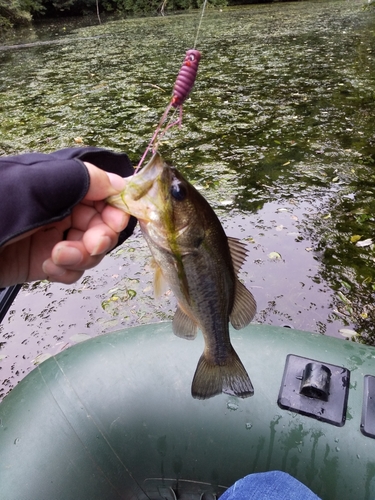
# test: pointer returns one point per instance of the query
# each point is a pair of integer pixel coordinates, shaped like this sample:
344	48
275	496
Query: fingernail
49	268
103	245
121	222
116	181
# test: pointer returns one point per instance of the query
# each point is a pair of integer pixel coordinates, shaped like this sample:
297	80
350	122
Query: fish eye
178	190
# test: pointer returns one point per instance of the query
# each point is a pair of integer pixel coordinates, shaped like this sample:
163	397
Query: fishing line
183	85
200	22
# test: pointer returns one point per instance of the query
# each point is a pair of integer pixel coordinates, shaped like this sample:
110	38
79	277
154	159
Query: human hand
62	251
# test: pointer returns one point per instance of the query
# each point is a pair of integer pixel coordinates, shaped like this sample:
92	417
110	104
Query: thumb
102	184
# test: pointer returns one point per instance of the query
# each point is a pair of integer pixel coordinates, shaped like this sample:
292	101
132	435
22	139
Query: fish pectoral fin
230	378
238	252
160	285
183	326
244	306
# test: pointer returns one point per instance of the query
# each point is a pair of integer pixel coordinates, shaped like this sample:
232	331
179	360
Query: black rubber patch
368	407
316	389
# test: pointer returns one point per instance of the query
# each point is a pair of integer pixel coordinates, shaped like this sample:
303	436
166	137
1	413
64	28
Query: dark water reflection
278	134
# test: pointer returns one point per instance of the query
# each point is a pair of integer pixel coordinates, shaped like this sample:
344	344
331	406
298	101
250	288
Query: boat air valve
315	389
315	381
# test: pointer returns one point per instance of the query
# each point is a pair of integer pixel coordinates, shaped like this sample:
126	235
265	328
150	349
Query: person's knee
272	485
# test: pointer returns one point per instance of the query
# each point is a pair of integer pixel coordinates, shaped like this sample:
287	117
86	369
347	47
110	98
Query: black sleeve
38	189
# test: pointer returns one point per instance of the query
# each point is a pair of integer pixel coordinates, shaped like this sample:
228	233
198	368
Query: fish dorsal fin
183	326
244	307
238	252
160	285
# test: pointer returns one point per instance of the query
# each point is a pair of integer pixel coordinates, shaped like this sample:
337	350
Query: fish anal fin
230	378
238	252
160	285
183	326
244	306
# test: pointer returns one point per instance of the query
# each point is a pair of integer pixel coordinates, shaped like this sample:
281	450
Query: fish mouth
142	182
142	196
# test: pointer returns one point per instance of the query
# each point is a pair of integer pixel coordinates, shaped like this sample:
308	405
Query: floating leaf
41	357
105	304
119	251
2	356
79	337
346	285
347	333
343	299
226	202
355	238
274	256
360	211
309	249
364	243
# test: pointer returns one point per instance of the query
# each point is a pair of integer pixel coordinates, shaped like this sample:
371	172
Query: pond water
278	134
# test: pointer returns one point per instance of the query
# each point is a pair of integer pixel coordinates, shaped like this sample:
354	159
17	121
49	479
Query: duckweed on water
278	134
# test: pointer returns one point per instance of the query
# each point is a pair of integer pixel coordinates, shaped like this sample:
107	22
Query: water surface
278	134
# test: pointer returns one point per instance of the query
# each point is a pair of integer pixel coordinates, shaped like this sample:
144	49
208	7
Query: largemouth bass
200	264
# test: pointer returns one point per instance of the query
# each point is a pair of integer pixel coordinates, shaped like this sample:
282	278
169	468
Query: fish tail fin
230	378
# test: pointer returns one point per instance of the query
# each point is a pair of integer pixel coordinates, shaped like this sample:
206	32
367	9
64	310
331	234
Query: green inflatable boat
113	418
